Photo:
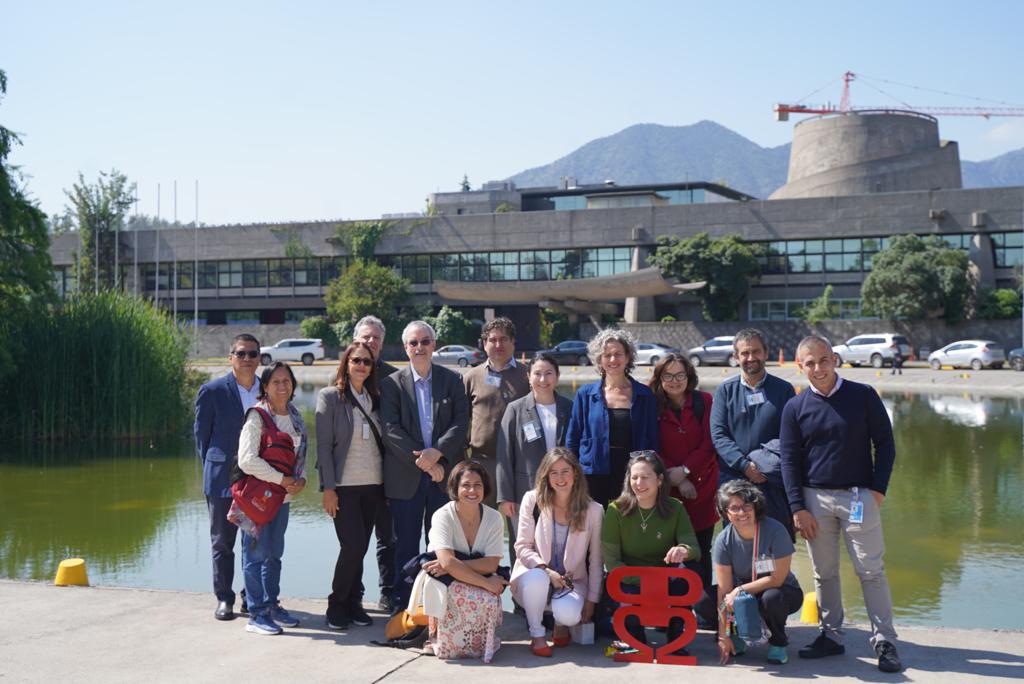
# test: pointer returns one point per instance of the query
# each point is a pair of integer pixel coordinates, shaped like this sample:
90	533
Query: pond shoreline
918	379
172	636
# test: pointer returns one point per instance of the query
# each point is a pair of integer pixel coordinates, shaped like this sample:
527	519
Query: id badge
755	398
493	380
856	511
366	430
764	566
531	431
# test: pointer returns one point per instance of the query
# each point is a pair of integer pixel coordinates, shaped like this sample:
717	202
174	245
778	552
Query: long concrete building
843	202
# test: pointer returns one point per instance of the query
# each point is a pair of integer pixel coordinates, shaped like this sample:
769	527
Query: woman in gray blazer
349	460
530	428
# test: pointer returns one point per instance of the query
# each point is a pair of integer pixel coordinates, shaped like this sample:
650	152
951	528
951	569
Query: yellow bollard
71	572
809	612
574	385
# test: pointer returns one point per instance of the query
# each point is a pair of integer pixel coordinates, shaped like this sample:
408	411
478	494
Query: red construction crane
782	111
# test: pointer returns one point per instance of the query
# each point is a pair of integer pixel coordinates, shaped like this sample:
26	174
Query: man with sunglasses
425	415
220	411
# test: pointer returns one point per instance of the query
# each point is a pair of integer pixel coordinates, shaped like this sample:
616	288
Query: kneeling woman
752	536
468	623
558	550
645	526
261	554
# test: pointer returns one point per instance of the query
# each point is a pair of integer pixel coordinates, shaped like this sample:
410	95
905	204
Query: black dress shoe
385	605
225	611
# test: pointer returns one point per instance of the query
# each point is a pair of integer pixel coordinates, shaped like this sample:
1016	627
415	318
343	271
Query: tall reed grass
108	365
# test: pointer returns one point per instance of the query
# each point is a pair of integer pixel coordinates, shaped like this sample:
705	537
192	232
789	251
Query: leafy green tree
25	268
99	212
917	278
1001	303
365	288
317	327
555	327
822	308
727	265
452	327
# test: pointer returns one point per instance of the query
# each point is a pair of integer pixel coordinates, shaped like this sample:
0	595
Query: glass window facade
820	256
1008	249
793	309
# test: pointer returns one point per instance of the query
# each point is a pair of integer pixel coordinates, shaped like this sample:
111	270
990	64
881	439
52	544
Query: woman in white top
349	461
261	555
467	628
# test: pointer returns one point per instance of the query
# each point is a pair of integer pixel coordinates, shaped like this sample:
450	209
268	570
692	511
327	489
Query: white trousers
533	591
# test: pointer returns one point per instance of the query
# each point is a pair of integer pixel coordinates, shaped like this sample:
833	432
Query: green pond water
954	517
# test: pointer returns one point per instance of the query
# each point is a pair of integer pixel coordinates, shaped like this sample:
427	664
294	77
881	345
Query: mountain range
708	151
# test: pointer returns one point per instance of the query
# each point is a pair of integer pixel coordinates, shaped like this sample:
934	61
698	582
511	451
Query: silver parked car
716	350
649	353
307	351
878	349
458	355
976	354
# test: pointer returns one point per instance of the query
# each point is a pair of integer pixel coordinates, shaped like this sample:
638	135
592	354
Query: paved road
98	634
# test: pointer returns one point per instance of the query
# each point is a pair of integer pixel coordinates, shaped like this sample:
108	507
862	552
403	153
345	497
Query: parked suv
570	353
977	354
878	349
306	351
716	350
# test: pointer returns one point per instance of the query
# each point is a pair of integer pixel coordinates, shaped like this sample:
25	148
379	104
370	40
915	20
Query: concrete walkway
99	634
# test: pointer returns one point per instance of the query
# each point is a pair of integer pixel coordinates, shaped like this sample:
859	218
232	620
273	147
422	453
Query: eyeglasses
360	361
242	353
674	377
426	342
736	510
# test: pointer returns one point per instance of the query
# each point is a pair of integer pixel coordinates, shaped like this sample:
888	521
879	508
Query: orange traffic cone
782	357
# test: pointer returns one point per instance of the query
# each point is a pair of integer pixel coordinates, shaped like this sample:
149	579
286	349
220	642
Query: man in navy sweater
745	414
837	456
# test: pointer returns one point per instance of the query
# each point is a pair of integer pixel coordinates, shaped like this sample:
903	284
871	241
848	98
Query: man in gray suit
425	415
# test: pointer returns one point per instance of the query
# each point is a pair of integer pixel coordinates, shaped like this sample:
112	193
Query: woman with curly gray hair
611	417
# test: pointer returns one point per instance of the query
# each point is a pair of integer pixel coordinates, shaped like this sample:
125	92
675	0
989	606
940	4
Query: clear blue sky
329	110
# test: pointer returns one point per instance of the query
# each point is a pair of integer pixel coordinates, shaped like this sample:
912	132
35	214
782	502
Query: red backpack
260	500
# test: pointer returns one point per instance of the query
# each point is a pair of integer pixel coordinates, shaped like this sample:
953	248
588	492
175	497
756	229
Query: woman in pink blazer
558	550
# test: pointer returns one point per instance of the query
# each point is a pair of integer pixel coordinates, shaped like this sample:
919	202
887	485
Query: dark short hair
501	323
748	334
460	469
244	337
268	372
745	491
659	370
546	358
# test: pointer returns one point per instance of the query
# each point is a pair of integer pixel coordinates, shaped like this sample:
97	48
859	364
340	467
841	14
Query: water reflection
954	518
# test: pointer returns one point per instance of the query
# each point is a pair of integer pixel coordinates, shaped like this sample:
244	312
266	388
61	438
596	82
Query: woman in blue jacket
611	417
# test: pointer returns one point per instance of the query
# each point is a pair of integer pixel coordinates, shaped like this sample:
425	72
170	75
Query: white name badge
856	511
366	430
531	431
493	380
764	566
755	398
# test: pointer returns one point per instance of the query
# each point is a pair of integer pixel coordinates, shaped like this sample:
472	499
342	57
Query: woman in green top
645	526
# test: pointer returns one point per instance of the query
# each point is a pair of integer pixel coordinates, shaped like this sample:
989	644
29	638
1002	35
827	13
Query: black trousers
775	605
703	566
222	545
353	524
385	530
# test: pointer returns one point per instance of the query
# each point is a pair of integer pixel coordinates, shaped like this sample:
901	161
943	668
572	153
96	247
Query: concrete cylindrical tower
869	151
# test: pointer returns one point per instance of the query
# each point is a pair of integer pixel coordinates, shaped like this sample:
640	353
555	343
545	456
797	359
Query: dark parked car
1016	359
716	350
570	353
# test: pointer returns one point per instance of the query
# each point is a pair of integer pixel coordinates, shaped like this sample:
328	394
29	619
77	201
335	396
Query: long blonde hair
579	498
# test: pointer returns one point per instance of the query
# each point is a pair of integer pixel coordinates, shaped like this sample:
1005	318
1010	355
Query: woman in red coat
684	424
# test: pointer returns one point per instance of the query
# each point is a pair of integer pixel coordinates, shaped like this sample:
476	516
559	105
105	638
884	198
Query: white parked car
649	353
305	350
878	349
976	354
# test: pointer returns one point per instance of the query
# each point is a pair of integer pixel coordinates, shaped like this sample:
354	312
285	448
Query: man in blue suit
220	411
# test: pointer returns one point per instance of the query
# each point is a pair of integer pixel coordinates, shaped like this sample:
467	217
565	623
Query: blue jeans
411	518
261	564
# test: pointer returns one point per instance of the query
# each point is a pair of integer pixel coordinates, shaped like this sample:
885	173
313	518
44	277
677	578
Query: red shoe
562	641
541	651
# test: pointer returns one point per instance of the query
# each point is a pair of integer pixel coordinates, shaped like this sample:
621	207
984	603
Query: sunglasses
361	361
426	342
241	353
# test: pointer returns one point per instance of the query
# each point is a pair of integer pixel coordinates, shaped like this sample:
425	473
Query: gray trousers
865	546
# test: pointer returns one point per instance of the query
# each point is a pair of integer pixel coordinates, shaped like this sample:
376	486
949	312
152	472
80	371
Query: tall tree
727	265
365	288
26	275
99	211
917	278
